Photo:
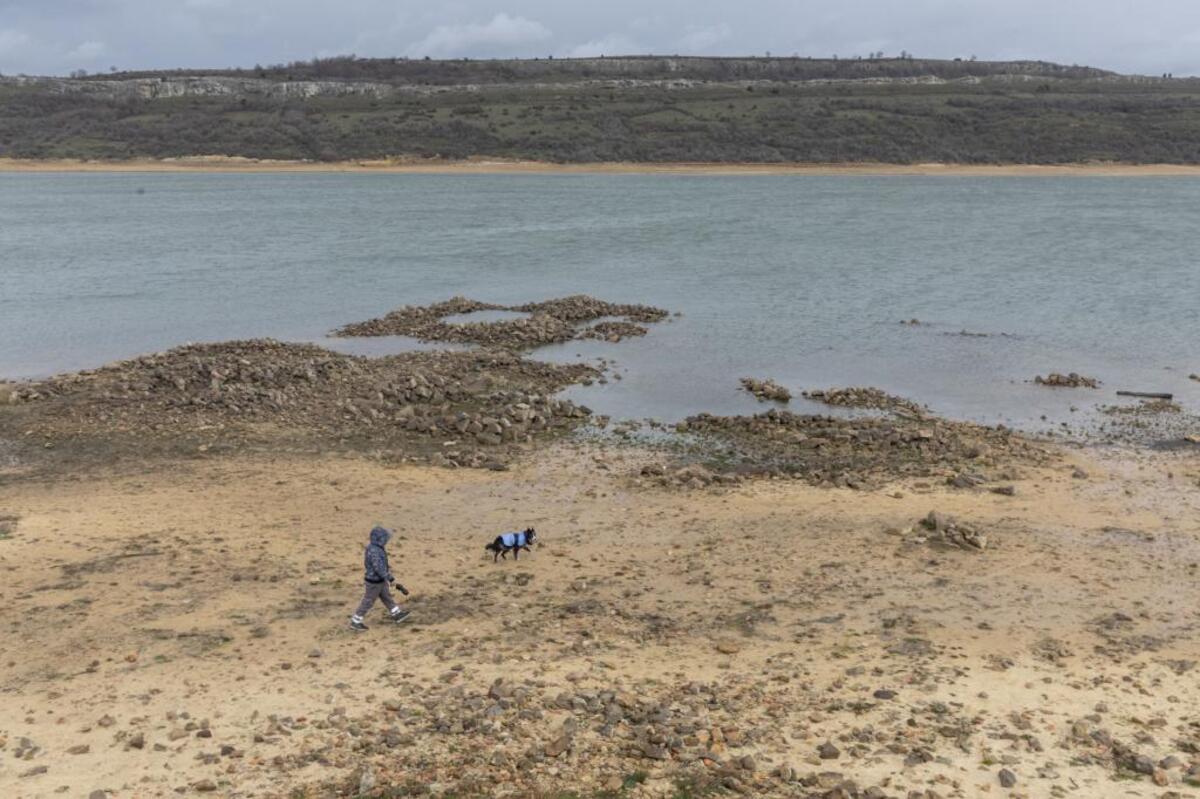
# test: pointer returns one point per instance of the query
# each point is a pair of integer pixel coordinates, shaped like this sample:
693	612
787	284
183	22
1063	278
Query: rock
1007	778
366	780
1007	491
79	749
966	480
204	786
955	533
558	746
766	390
728	647
1079	474
884	694
827	751
869	398
1142	764
655	751
136	741
98	794
1072	380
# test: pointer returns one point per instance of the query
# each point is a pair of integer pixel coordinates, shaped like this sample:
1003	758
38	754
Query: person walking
378	579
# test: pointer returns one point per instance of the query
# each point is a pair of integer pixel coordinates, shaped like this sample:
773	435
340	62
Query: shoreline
220	164
909	561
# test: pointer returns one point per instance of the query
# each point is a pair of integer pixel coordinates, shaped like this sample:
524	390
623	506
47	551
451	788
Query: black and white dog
512	542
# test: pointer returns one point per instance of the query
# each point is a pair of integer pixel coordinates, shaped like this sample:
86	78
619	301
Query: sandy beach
499	167
181	629
892	606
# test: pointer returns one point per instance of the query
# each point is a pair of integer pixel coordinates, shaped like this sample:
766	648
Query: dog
512	542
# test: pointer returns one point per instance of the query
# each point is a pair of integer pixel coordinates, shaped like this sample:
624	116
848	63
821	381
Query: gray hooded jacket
375	560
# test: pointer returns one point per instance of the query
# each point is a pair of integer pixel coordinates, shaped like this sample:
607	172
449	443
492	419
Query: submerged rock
869	398
766	390
1072	380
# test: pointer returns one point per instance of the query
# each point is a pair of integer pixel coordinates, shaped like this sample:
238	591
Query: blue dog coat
511	540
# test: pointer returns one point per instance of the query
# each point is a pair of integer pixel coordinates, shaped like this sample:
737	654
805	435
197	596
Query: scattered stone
1007	778
953	532
827	751
851	453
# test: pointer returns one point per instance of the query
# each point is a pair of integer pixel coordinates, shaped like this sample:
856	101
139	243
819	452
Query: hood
380	537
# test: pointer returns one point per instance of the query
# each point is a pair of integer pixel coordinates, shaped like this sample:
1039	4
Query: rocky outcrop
549	322
234	392
869	398
1072	380
766	390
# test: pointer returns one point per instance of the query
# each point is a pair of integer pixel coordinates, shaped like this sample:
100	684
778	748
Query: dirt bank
486	166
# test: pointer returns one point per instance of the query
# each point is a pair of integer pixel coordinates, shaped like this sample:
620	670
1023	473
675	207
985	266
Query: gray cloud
57	36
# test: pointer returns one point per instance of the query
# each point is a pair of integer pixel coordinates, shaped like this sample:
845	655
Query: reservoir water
804	279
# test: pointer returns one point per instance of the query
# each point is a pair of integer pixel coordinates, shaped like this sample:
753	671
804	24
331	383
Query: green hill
644	108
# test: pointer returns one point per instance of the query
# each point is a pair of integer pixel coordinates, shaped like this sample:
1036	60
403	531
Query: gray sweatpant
374	591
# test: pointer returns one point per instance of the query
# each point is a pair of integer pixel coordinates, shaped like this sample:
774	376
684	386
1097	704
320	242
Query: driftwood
1145	395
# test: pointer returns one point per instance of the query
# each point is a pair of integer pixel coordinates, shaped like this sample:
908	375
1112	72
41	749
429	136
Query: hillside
640	109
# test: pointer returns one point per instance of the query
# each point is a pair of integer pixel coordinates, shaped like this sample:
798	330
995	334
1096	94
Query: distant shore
499	167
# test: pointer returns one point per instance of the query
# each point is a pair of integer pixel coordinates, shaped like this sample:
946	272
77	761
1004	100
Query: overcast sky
58	36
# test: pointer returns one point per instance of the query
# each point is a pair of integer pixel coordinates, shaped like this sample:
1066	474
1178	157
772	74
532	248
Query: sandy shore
498	167
763	605
181	629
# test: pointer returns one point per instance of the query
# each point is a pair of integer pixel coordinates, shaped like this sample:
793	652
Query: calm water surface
800	278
